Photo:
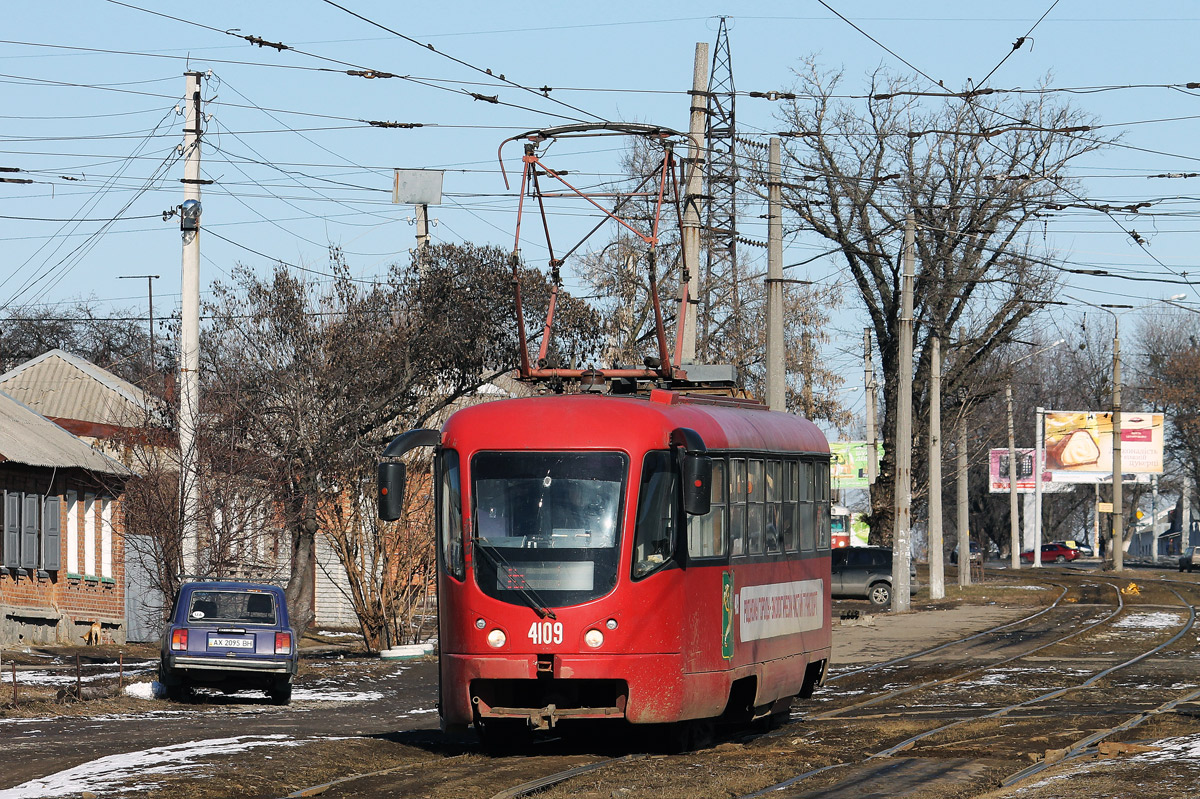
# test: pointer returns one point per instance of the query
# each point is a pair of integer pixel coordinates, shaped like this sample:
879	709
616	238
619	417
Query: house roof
29	438
60	385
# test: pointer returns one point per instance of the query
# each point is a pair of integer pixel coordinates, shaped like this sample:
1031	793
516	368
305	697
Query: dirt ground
355	715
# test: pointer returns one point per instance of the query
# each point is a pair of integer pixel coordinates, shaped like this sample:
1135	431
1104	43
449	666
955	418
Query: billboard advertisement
848	463
1079	445
998	473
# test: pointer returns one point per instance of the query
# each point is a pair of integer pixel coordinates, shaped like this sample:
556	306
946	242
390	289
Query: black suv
865	573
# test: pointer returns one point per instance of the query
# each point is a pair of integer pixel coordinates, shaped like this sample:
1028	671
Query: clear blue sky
296	171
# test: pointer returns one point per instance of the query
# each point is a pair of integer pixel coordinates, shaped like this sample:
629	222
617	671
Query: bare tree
106	338
975	173
311	377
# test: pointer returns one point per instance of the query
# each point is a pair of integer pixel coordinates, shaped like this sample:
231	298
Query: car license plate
230	643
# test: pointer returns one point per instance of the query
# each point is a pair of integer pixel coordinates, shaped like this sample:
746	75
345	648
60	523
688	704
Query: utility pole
872	399
1039	459
150	293
937	576
901	540
964	532
422	227
1185	524
691	201
1154	515
776	367
1118	512
189	334
1014	532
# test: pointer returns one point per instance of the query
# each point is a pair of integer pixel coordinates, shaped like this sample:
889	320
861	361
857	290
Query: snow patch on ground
1173	751
112	772
1025	588
67	677
339	634
1150	621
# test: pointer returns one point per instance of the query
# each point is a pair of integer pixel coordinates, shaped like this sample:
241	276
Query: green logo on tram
727	615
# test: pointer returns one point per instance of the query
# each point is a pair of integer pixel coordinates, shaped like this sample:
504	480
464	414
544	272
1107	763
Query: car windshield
240	607
546	524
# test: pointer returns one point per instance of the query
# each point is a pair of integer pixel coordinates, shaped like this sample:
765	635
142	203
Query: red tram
655	559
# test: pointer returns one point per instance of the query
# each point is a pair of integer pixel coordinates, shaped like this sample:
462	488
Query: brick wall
44	607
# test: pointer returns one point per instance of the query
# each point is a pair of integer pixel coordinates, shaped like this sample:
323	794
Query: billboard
998	473
1079	445
848	463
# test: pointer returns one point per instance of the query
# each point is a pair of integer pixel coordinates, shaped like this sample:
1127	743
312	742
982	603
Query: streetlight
1118	517
1014	527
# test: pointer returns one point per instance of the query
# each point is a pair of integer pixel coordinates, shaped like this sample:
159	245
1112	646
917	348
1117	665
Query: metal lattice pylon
720	303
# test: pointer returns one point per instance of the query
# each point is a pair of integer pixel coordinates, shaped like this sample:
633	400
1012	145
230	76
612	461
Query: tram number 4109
544	632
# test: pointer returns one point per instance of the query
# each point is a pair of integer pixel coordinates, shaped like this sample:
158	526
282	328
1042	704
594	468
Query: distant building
62	547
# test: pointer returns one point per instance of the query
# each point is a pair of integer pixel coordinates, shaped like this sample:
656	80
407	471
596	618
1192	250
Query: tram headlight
593	638
480	624
611	624
496	638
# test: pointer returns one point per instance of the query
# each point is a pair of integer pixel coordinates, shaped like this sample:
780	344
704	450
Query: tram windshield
547	524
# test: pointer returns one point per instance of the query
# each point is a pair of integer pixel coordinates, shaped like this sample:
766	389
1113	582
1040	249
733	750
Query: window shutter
30	524
12	530
52	535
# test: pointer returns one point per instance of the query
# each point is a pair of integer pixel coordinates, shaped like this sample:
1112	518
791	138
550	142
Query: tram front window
546	524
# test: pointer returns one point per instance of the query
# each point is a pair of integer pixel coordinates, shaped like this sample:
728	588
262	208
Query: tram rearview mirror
391	490
697	484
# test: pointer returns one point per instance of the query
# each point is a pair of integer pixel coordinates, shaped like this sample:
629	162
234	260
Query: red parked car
1058	553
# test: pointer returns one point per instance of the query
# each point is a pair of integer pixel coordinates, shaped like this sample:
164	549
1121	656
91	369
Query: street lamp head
1176	297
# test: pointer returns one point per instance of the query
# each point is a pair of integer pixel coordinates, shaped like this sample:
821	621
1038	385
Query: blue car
229	636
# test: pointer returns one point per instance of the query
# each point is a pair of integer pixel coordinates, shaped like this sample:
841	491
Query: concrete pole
1154	515
1185	524
1096	522
1039	457
189	341
964	529
901	535
1014	523
776	366
937	575
871	388
422	226
691	202
1118	514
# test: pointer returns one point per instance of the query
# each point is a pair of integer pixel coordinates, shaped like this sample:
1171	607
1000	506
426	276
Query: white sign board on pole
418	187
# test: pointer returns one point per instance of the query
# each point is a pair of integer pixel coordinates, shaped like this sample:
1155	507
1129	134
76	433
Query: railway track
917	733
965	729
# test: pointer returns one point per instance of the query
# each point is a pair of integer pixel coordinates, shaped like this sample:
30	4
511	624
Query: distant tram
657	559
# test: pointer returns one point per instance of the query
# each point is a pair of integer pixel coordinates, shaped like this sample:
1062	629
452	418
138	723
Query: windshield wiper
514	578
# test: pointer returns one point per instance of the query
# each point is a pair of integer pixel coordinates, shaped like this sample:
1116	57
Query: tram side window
774	532
706	534
806	515
737	506
450	516
822	486
654	535
789	538
755	510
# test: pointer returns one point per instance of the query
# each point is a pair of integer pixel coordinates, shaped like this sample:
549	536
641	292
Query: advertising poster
848	463
1079	445
998	473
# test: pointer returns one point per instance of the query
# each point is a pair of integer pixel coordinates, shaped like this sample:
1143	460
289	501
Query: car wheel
1060	559
280	693
880	594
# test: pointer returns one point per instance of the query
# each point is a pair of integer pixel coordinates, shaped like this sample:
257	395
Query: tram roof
631	423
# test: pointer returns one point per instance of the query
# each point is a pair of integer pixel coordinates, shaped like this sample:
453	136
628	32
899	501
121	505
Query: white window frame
106	537
71	532
89	535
